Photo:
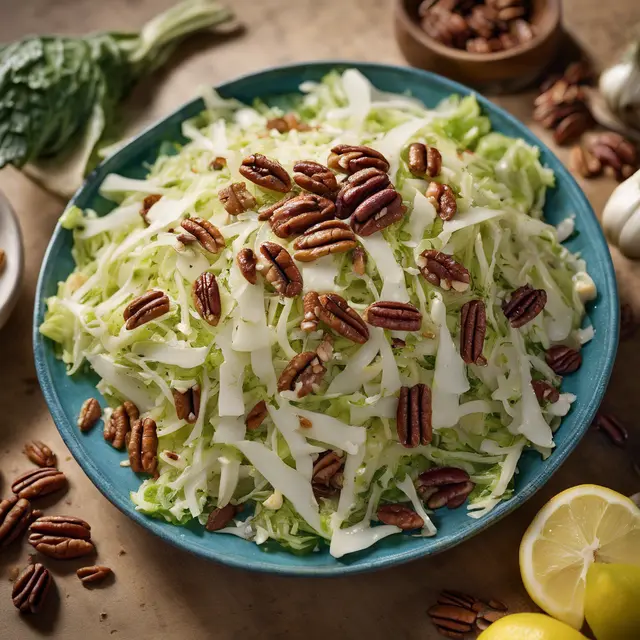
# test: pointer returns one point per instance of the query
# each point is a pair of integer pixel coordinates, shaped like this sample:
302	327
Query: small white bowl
11	273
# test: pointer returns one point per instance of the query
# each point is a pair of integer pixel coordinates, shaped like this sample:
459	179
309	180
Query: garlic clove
621	206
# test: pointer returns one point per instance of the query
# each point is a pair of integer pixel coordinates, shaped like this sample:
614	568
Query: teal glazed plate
101	463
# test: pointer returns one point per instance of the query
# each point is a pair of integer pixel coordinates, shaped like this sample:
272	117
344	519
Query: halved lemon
580	526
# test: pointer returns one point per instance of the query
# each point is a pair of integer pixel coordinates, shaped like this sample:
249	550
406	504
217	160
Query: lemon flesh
530	626
583	525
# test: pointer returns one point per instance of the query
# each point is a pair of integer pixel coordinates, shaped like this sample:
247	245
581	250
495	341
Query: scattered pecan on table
147	203
89	415
31	587
315	178
40	454
377	212
359	260
206	233
545	392
357	188
424	160
93	574
265	172
15	515
309	319
118	426
563	359
147	307
326	479
443	199
38	482
143	446
473	328
441	270
220	517
335	312
61	537
288	122
524	305
247	264
187	403
413	416
442	486
256	416
612	427
323	239
395	316
298	214
605	151
236	199
400	516
353	158
280	271
304	371
206	298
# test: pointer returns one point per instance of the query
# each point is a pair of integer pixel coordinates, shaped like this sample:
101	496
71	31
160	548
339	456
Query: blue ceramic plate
65	395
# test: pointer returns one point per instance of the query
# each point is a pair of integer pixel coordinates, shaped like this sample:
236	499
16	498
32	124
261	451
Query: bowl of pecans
11	259
492	45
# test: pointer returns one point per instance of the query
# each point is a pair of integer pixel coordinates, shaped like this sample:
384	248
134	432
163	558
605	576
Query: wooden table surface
160	592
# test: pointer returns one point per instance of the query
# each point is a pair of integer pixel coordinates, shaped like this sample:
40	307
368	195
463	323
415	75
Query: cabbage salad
483	415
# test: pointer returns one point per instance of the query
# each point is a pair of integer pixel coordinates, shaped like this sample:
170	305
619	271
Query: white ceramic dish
11	273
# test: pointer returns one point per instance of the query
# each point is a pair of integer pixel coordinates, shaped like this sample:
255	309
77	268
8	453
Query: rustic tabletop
160	592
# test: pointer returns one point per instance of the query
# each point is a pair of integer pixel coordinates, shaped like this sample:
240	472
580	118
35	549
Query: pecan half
206	233
15	515
267	212
352	158
326	479
357	188
206	298
443	199
545	392
218	163
187	404
147	203
614	429
473	328
441	270
280	271
39	453
316	178
38	482
451	620
61	537
583	162
424	160
334	311
325	348
359	260
400	516
323	239
442	486
309	303
93	574
300	213
615	152
256	416
265	172
247	264
304	371
147	307
288	122
377	212
219	518
119	424
236	199
143	446
396	316
89	415
563	359
31	587
525	304
413	416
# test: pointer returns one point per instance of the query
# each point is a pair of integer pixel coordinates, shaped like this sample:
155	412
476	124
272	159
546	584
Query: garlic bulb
621	216
620	88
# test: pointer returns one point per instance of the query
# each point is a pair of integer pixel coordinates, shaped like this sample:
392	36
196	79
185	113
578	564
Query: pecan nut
38	482
452	620
303	374
545	392
256	416
89	415
288	122
614	429
236	199
220	517
267	212
357	188
400	516
187	404
300	213
325	348
473	328
93	574
413	416
323	239
206	298
615	152
149	306
359	260
15	515
218	163
424	160
326	477
142	446
206	233
309	303
377	212
352	158
280	271
442	486
443	199
147	203
395	316
316	178
525	304
265	172
119	424
563	359
334	311
441	270
247	264
61	537
31	587
584	163
39	453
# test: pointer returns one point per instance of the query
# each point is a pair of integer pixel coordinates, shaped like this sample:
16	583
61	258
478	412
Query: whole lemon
530	626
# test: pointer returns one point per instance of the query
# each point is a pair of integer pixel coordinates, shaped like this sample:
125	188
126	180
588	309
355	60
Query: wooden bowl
499	72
